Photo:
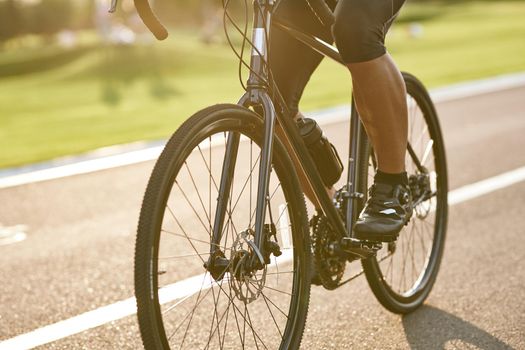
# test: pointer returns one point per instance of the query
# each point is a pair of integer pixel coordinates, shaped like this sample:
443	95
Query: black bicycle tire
150	321
392	301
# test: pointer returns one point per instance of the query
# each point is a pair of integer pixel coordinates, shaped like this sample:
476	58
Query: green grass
461	41
55	103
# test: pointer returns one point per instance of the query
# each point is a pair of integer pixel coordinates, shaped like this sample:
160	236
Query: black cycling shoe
388	209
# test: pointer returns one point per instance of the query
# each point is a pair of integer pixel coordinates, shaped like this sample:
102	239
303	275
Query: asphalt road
79	252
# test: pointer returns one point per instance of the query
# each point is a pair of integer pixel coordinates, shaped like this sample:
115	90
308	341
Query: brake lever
113	7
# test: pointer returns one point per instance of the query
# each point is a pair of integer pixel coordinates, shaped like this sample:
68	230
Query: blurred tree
10	20
47	17
83	17
51	16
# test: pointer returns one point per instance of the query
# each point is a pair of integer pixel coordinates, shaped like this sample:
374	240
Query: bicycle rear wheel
180	305
403	273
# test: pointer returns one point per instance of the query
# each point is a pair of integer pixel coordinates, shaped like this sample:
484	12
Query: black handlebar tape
323	11
150	20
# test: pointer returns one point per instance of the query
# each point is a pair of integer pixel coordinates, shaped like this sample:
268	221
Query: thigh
292	62
361	26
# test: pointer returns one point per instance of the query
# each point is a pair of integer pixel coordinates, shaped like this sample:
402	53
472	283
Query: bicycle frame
244	263
257	95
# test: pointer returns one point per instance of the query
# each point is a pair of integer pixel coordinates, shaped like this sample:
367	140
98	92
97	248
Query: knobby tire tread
372	271
149	322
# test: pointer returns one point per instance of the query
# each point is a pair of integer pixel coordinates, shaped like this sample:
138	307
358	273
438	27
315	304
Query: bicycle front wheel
403	273
181	303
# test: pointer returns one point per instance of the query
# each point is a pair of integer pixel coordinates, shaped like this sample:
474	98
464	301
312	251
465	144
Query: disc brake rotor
246	281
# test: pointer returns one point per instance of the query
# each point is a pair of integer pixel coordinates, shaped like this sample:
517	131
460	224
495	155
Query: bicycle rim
180	305
403	273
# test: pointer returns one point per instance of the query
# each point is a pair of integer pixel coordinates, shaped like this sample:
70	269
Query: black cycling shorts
359	34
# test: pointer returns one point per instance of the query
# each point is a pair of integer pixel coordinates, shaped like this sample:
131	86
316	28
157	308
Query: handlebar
150	20
159	31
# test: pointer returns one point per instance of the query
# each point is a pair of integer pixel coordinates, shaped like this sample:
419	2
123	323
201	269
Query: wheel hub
420	187
246	279
247	275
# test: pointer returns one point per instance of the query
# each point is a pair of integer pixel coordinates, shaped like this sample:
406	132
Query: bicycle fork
256	95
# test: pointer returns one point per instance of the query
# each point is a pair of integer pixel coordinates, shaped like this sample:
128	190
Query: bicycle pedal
363	249
364	244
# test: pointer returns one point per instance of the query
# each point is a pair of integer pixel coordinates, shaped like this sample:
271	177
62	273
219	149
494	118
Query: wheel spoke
254	333
405	270
428	149
231	312
246	183
191	318
280	291
270	198
189	314
206	228
185	235
208	167
192	239
244	317
278	273
214	318
181	256
198	195
275	305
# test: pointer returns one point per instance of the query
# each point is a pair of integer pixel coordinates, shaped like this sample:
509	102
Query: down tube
312	174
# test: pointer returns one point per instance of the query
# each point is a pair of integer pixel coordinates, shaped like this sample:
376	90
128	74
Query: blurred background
74	78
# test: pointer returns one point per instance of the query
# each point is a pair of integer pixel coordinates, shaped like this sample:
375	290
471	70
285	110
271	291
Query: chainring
330	267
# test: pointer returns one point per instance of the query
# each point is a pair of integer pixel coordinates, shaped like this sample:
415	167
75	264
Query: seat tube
228	168
353	168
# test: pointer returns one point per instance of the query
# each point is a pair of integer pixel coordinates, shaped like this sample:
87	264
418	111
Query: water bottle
322	151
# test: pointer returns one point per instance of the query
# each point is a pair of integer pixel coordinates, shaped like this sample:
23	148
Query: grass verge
55	103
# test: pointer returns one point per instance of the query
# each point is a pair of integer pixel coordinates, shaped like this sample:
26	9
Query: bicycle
225	250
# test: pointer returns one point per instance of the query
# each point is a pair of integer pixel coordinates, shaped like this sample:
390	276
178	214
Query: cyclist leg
292	64
359	31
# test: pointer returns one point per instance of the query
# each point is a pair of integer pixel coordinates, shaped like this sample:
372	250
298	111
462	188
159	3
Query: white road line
71	326
477	87
12	234
489	185
190	286
453	92
327	116
79	168
181	291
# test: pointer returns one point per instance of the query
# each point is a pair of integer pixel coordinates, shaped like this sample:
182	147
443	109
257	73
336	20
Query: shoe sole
385	238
